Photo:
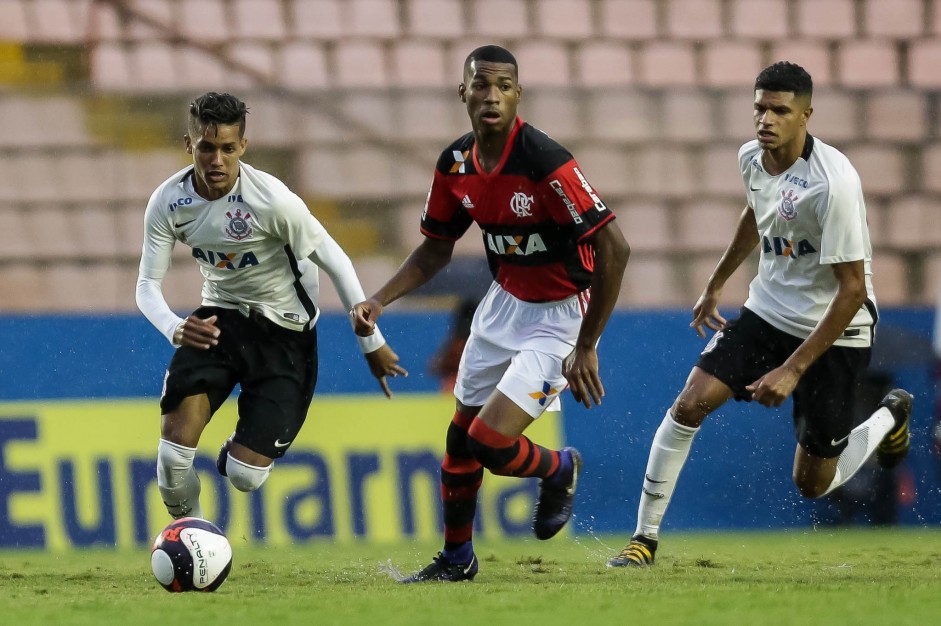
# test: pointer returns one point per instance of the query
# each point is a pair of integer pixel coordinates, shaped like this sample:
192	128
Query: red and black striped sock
461	476
507	456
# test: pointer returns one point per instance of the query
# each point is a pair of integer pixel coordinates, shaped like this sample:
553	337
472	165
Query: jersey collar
808	147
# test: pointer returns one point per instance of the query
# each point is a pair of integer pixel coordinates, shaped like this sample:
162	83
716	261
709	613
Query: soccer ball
191	554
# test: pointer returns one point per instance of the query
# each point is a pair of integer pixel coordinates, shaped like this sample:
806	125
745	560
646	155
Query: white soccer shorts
517	347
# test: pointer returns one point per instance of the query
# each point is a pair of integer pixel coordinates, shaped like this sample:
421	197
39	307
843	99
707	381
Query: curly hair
784	76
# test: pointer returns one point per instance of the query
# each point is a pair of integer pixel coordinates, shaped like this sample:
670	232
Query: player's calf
177	480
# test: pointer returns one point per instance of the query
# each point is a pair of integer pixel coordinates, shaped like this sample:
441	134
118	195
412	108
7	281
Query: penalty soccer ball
191	554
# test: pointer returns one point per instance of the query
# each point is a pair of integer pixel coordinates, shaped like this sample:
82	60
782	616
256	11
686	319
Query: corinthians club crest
239	226
787	210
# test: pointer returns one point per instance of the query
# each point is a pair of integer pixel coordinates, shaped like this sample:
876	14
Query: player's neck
489	149
778	160
207	193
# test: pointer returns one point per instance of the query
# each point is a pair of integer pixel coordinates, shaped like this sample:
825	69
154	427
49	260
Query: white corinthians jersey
252	256
810	216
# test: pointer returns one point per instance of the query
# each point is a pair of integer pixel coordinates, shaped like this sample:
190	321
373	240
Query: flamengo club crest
521	204
238	227
787	210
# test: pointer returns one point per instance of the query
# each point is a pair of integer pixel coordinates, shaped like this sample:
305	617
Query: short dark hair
217	108
785	76
492	54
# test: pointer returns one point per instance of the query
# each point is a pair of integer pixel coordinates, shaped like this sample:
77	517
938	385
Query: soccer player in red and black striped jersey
557	260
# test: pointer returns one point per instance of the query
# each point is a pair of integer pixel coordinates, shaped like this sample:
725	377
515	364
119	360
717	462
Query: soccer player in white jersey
259	250
807	326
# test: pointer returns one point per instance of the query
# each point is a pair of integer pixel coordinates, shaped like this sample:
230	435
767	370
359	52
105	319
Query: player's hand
706	313
382	363
580	369
198	333
773	388
363	316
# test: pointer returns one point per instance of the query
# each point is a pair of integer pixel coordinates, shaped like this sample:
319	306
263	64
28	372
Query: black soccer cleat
555	503
894	447
442	570
223	456
638	553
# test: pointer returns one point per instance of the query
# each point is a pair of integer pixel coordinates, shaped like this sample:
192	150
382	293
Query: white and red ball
191	554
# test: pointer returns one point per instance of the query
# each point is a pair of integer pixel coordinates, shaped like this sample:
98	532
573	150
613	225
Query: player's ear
462	92
188	143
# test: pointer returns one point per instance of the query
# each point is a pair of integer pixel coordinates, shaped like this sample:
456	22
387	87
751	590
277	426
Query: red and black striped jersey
535	211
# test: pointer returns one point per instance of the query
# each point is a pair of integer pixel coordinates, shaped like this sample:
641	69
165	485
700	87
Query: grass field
830	576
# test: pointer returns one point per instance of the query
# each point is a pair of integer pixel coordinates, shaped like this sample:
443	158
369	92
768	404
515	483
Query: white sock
861	443
177	480
668	453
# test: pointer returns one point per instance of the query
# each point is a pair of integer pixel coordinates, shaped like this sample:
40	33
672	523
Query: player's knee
688	413
245	477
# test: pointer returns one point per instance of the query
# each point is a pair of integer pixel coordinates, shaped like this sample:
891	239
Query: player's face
491	93
780	117
216	152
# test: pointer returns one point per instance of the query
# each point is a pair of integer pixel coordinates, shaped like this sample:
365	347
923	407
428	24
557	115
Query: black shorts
275	367
824	399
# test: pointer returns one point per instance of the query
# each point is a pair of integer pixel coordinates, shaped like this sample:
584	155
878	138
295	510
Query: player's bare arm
197	333
705	311
580	367
429	258
773	388
382	363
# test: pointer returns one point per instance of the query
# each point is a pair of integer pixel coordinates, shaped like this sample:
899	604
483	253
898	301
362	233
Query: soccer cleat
442	570
894	447
638	553
223	457
555	503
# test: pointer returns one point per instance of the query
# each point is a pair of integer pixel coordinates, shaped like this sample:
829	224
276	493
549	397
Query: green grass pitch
825	575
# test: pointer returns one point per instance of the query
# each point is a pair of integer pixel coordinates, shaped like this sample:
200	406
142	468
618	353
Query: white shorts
518	347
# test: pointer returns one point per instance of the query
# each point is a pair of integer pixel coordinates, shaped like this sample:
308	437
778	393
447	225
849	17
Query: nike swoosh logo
753	189
182	224
470	565
656	482
278	444
836	442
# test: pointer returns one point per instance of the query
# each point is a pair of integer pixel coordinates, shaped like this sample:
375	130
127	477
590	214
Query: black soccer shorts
824	409
275	367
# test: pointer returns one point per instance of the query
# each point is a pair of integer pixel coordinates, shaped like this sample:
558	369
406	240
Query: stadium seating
435	19
746	14
631	20
902	19
693	19
353	100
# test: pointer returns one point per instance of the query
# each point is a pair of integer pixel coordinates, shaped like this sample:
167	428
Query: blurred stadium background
351	102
